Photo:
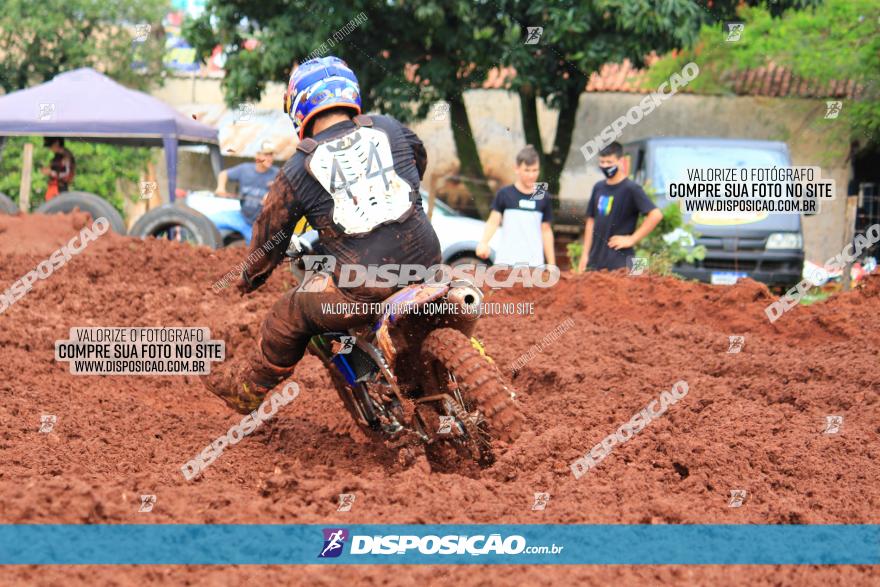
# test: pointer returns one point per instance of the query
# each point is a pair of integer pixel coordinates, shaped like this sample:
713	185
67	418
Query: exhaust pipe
467	297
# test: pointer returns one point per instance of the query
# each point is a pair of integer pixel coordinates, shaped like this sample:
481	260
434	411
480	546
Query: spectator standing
253	184
60	170
610	233
525	211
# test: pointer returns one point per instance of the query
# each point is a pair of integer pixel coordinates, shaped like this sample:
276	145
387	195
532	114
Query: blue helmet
317	85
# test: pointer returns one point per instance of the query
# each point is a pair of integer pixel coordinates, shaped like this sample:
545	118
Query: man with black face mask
610	234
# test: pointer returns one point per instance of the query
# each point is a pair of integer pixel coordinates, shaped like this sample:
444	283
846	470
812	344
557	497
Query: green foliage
575	250
815	296
290	30
39	40
98	169
577	39
663	254
408	55
426	50
836	40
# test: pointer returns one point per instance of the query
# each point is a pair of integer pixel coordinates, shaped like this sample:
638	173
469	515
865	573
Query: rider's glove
247	285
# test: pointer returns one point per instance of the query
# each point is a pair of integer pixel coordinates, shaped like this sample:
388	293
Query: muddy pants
297	316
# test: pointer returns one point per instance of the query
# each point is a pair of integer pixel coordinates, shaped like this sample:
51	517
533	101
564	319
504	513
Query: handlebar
298	247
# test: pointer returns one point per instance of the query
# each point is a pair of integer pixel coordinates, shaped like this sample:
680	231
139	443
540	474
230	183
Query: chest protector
357	170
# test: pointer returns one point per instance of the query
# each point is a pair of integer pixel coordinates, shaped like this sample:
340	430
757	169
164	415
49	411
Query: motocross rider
356	180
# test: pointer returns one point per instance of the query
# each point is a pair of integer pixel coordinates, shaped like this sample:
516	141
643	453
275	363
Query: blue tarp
86	104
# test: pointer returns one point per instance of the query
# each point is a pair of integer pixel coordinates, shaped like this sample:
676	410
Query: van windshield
671	162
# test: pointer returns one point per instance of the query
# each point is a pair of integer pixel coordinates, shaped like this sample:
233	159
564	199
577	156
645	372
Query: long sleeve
421	155
272	232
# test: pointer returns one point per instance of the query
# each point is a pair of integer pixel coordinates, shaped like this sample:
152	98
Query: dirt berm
753	420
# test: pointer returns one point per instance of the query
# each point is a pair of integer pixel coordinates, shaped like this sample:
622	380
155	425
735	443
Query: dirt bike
417	379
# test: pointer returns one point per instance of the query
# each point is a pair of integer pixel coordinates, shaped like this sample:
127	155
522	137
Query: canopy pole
27	167
170	145
216	159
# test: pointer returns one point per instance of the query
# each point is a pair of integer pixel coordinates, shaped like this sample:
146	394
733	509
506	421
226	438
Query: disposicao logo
432	544
334	540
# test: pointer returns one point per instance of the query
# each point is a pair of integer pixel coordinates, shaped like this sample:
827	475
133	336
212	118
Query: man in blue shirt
253	184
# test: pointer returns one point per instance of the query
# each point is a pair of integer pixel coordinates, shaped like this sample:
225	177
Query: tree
836	40
410	54
39	40
407	55
577	39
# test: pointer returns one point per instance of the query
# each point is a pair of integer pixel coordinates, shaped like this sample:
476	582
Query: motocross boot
244	382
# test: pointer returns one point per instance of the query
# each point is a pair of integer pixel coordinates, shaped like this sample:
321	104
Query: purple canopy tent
85	104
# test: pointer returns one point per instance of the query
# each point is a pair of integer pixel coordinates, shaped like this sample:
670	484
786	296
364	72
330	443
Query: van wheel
86	202
178	223
7	206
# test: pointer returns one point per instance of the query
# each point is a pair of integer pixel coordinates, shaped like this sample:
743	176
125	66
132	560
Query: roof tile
772	80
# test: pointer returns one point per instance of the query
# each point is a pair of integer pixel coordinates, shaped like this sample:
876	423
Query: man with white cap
253	184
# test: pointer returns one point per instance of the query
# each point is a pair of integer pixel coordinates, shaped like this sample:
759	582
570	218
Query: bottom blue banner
518	544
